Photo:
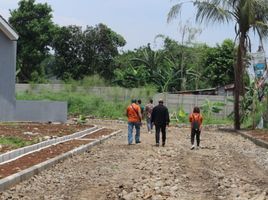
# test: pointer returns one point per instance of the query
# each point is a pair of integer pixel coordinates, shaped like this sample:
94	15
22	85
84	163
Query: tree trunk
238	90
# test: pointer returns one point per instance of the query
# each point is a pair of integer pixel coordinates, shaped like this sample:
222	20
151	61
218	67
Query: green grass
212	120
81	103
86	104
11	124
14	142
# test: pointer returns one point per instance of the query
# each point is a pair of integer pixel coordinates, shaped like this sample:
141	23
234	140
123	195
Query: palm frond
213	11
262	29
174	12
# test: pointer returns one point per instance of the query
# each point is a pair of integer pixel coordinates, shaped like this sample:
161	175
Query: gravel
226	167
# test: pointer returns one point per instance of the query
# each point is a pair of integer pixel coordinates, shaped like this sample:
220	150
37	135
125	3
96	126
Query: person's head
133	101
151	101
160	101
139	101
196	109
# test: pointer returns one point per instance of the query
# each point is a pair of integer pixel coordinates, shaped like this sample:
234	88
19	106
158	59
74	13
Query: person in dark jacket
160	118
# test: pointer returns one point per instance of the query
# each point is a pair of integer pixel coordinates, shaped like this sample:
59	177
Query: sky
138	21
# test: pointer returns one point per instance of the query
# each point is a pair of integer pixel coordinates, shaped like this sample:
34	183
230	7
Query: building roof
7	29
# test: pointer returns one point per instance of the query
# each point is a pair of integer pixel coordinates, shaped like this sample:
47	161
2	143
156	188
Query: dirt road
227	167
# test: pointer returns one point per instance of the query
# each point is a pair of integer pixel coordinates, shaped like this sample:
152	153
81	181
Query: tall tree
103	43
33	22
218	66
92	51
68	47
247	15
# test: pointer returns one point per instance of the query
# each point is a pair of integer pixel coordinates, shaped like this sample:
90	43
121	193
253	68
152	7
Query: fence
187	102
108	93
173	101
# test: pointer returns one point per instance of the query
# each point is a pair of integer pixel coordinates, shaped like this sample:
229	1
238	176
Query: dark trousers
161	128
195	133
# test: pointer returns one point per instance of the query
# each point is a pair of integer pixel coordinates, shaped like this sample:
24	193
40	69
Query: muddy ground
227	167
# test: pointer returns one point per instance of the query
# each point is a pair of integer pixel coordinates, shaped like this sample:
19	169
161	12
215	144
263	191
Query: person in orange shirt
196	120
134	116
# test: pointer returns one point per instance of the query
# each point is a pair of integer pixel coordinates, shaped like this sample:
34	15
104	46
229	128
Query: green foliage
81	103
265	110
166	75
219	64
246	15
81	53
179	116
182	115
131	77
67	44
33	22
251	108
14	142
36	78
209	108
173	68
81	119
215	120
136	68
94	80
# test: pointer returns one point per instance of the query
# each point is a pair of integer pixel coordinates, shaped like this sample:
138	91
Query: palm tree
247	15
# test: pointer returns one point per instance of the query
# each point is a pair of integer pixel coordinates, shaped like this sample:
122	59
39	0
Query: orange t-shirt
133	115
196	116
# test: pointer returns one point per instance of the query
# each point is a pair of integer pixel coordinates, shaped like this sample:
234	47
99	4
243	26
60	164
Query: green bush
81	103
14	142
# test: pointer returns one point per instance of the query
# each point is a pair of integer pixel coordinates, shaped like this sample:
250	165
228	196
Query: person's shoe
149	132
163	144
157	144
138	142
192	147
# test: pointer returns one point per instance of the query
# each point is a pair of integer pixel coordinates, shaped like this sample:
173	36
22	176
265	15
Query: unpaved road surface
227	167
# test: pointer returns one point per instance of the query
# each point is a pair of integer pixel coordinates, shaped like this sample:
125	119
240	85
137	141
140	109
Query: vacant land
227	167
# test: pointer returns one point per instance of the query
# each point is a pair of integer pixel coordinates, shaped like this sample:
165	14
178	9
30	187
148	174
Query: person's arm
127	112
140	115
146	108
167	117
152	116
201	121
139	112
190	118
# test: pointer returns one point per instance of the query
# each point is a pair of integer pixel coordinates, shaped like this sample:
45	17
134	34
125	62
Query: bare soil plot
47	153
31	133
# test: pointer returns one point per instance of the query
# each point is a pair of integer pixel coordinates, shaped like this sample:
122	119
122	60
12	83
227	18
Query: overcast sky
138	21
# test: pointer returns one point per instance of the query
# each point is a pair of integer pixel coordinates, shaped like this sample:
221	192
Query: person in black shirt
160	118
